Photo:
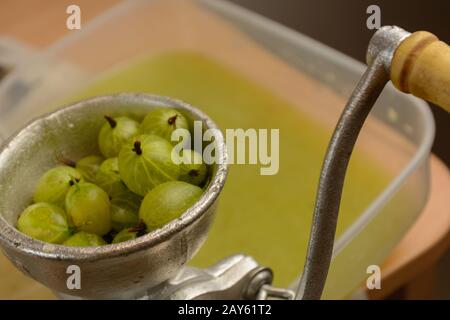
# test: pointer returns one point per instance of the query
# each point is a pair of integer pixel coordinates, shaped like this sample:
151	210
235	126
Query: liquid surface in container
267	217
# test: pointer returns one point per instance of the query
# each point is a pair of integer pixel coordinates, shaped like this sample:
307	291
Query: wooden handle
421	66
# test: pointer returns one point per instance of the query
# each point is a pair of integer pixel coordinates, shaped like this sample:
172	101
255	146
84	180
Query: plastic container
400	125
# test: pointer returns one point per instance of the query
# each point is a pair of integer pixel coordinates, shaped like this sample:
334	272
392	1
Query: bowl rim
19	242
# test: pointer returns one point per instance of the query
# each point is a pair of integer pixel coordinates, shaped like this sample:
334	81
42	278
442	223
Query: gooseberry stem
74	181
137	147
66	161
139	228
172	120
193	173
111	121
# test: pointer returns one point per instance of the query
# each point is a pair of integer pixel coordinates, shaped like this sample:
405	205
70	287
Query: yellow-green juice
267	217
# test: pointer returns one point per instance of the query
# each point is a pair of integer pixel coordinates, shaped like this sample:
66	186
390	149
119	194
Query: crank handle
417	63
421	66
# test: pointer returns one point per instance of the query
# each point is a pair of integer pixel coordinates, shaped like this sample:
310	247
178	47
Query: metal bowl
123	270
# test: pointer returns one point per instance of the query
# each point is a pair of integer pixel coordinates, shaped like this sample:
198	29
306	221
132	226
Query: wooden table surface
40	23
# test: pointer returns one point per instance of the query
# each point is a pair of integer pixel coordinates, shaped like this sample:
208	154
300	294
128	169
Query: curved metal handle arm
321	241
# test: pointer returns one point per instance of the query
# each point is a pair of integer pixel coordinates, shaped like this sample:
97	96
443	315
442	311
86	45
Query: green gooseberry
125	235
44	221
84	239
145	162
162	122
124	203
167	202
193	170
114	133
108	177
88	167
125	210
55	183
89	208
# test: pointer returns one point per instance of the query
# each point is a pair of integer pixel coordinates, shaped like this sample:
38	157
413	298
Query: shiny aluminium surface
384	43
122	270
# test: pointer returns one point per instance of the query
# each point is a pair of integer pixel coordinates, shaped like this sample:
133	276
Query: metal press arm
321	241
417	64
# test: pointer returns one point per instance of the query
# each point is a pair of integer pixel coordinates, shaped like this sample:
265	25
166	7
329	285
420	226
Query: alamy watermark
374	280
374	19
250	146
73	281
73	21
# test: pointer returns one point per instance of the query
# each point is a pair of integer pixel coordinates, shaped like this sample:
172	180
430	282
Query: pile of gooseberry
132	187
